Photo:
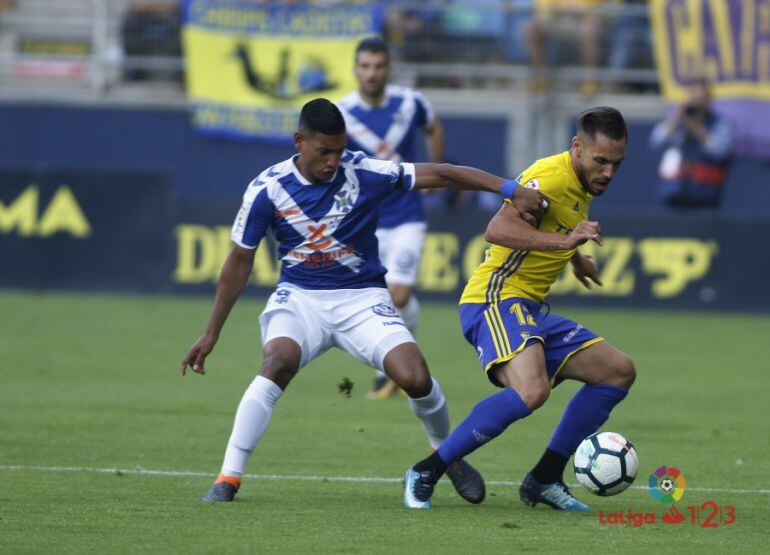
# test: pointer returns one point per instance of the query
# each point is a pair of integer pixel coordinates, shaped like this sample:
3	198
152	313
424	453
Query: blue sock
487	420
585	413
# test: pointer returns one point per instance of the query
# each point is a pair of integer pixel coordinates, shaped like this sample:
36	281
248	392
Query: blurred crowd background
535	62
604	45
90	86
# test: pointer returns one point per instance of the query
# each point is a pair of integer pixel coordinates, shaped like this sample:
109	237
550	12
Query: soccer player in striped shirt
322	207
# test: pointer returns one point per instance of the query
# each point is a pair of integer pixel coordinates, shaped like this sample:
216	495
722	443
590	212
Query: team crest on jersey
532	184
384	309
343	202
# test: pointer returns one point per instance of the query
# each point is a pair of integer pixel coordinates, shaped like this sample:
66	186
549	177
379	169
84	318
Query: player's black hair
374	45
321	116
602	119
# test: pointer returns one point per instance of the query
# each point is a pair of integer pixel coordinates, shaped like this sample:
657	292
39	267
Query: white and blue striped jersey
389	132
325	231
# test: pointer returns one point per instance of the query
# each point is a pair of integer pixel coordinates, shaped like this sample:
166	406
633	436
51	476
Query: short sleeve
254	217
398	175
424	113
547	180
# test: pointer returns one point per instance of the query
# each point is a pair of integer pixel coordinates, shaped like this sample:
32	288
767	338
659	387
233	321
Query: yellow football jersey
507	273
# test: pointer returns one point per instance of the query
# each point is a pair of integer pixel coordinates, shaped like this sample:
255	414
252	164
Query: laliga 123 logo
667	484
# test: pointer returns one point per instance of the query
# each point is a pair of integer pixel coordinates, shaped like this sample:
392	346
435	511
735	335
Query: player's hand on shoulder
585	231
530	204
196	356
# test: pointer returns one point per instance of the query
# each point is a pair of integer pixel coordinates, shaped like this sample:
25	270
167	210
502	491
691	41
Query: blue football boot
556	495
418	487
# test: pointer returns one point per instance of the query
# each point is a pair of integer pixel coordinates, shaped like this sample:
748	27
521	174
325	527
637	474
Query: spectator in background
476	33
151	29
697	147
414	33
573	19
631	42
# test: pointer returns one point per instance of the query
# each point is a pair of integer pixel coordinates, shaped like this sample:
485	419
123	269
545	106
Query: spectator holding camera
697	148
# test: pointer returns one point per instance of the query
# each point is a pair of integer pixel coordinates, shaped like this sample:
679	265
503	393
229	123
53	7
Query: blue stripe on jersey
258	218
379	119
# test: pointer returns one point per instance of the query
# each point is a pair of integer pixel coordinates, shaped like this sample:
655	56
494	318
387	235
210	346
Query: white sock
410	314
433	414
254	413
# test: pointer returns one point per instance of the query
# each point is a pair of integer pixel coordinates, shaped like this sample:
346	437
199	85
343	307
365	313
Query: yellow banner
251	68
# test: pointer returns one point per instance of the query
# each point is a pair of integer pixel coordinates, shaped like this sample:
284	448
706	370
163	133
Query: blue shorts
500	331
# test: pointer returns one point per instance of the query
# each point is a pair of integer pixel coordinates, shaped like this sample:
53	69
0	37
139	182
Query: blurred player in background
385	121
522	346
322	206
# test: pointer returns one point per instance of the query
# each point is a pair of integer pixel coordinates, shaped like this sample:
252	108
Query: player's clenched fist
585	231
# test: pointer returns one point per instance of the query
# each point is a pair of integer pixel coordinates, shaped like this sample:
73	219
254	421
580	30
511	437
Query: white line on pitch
362	479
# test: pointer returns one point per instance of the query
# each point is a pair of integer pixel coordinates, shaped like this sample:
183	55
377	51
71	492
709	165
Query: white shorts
401	252
362	322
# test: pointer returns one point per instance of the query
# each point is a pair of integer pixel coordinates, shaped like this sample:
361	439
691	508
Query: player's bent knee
416	382
279	366
625	372
406	366
535	393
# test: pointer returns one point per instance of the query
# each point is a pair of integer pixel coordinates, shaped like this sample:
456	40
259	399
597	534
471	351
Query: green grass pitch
92	382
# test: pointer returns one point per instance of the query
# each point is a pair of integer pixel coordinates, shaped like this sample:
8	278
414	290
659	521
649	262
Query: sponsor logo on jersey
285	213
318	240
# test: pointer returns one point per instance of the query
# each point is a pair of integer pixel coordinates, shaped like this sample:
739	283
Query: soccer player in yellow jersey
524	348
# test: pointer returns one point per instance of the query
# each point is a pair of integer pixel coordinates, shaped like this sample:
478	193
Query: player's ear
577	146
298	140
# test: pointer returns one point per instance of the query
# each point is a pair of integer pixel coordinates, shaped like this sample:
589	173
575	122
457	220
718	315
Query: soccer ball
606	463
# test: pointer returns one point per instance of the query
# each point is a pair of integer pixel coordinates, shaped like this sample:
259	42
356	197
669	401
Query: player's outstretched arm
529	203
508	229
232	279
